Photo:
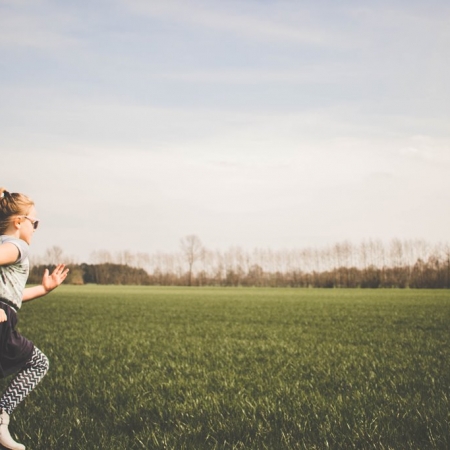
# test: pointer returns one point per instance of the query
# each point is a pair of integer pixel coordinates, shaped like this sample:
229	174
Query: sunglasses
34	222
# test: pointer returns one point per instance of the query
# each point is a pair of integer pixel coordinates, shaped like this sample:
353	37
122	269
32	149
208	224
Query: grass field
179	368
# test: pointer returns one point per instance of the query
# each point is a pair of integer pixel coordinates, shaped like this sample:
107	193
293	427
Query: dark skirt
15	350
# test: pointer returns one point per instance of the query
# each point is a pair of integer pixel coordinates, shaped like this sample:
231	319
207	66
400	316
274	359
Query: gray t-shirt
13	277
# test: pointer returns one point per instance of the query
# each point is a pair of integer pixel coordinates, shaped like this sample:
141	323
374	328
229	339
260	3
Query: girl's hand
50	282
3	317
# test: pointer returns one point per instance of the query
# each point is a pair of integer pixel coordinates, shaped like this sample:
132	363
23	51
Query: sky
260	124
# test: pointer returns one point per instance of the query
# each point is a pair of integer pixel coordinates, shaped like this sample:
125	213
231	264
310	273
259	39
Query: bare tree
142	260
53	255
446	251
126	258
193	251
101	257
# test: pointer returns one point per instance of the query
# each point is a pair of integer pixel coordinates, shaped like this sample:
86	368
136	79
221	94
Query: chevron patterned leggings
25	381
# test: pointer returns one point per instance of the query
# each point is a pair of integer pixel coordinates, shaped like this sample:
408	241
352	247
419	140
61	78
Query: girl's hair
12	205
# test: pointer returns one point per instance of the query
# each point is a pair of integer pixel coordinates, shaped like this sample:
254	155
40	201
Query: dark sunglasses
34	222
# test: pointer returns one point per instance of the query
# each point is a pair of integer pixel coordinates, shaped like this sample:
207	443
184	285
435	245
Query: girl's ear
16	222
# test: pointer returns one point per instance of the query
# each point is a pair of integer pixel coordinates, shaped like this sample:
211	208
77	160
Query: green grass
178	368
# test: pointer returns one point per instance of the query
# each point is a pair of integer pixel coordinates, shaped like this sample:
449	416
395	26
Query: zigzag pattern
25	381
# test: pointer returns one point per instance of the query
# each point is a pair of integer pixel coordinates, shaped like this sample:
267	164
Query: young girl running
18	355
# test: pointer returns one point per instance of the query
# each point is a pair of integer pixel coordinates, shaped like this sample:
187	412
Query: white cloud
308	73
231	18
428	148
36	31
415	16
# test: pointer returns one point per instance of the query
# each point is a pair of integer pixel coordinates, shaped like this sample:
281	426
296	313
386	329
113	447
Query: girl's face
27	225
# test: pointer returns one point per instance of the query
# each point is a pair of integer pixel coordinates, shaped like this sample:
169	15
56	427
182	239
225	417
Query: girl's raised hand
3	317
53	280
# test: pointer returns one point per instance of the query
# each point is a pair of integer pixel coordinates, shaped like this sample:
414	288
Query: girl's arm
49	282
9	253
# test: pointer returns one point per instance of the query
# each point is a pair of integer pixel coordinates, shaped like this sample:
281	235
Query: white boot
5	438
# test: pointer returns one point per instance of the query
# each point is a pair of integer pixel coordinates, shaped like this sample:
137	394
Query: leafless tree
143	260
125	257
101	257
193	250
53	255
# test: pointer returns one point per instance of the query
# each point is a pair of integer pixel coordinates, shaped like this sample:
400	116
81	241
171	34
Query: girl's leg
21	385
25	381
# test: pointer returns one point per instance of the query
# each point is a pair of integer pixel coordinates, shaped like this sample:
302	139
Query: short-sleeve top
13	277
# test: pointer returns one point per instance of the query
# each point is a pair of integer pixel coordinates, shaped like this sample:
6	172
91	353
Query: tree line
370	264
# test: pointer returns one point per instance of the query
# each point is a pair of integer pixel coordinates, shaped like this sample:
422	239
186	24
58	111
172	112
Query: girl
17	354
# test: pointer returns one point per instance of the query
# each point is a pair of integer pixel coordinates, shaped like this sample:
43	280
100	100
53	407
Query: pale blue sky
257	123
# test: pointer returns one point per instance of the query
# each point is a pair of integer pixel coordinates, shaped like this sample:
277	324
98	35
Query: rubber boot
5	438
